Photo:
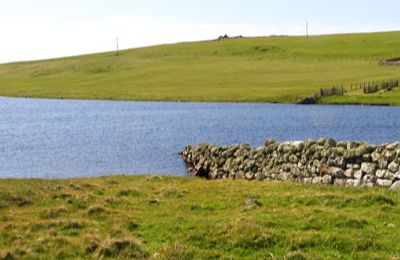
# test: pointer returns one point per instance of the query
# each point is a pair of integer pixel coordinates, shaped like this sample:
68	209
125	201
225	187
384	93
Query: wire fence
367	88
375	86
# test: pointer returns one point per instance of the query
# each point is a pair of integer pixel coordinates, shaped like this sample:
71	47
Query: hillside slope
269	69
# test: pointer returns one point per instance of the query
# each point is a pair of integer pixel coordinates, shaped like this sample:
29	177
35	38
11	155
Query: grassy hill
269	69
190	218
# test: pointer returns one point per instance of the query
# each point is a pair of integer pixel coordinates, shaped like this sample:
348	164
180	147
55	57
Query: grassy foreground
185	218
269	69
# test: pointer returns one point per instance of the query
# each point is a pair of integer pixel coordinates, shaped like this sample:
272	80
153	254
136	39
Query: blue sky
36	29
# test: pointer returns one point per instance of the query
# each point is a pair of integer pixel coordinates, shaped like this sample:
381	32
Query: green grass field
189	218
269	69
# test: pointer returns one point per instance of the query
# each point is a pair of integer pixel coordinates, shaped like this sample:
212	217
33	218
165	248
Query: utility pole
117	47
307	29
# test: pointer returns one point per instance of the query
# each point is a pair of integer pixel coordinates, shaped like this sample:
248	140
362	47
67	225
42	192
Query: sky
39	29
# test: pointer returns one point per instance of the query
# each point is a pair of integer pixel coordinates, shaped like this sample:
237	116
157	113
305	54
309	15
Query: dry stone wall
322	161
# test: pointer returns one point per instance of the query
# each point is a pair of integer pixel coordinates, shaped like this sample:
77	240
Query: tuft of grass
55	212
92	244
75	224
126	248
11	254
153	201
14	200
128	193
248	234
252	203
175	252
352	223
96	210
377	199
132	226
295	255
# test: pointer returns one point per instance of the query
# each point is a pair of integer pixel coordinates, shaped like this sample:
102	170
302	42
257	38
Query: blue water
66	139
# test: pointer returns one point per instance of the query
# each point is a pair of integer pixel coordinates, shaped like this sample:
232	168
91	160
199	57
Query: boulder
340	151
363	149
395	186
358	175
353	183
367	158
299	146
288	149
312	148
384	174
307	180
317	180
284	176
327	179
293	158
321	141
340	182
375	156
213	174
340	162
382	163
329	143
384	183
239	175
350	154
393	167
349	173
393	146
368	168
295	171
269	142
369	180
388	155
249	175
342	145
351	145
336	172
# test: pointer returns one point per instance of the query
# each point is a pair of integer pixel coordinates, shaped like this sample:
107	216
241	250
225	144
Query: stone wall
324	161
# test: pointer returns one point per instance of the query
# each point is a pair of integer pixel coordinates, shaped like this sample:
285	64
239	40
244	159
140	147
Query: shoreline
201	102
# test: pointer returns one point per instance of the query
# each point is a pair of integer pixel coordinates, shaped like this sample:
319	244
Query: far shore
205	101
259	70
